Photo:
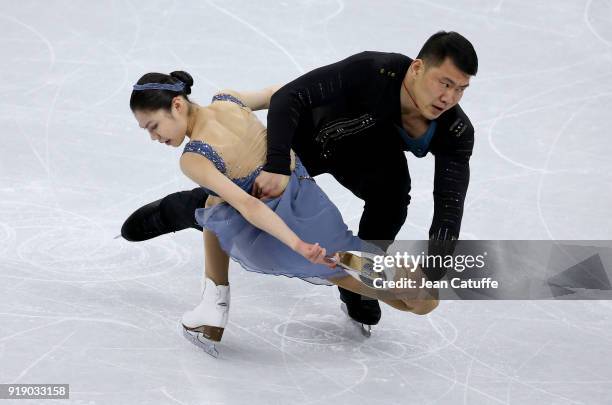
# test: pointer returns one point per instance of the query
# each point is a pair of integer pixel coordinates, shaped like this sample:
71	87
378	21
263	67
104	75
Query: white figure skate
204	325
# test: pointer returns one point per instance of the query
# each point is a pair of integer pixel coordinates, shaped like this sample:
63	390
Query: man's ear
417	66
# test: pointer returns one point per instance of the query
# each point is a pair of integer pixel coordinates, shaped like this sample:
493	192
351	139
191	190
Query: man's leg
380	220
384	185
172	213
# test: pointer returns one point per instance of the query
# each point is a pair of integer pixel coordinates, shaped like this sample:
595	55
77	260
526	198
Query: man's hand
269	185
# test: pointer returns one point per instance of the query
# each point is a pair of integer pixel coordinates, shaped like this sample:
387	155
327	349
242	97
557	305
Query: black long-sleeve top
360	95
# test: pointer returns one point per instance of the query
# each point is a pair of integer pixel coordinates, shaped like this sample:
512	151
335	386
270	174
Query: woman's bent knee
420	307
424	307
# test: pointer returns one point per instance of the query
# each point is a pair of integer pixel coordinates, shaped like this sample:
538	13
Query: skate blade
198	339
366	330
360	265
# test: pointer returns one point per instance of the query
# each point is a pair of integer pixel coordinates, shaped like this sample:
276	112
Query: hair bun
185	78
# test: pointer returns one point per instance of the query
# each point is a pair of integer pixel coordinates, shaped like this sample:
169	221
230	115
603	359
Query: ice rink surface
101	314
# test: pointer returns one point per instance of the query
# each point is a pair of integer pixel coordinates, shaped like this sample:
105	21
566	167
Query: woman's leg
216	261
206	322
421	303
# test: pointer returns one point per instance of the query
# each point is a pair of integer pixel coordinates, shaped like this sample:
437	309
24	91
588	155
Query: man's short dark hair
442	45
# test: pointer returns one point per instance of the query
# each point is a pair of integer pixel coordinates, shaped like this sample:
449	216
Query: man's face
438	88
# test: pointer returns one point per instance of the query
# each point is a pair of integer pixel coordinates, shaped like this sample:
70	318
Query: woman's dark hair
152	100
442	45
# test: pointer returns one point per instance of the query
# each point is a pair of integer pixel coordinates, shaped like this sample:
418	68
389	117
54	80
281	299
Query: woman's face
168	127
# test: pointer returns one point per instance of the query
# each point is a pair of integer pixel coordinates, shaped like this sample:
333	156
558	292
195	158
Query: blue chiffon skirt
306	209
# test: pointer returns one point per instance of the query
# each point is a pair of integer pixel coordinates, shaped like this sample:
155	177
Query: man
355	119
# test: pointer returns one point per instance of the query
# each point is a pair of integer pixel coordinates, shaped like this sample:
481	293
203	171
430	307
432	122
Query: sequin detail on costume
227	97
246	182
204	149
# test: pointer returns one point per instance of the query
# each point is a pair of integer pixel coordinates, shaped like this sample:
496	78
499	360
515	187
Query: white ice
101	314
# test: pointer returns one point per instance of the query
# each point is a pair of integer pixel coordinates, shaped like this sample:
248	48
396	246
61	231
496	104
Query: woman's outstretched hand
314	253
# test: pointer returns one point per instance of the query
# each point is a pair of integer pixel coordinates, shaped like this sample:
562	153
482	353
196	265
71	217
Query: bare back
236	134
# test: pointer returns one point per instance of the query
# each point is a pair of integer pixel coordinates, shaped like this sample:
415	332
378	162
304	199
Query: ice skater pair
354	119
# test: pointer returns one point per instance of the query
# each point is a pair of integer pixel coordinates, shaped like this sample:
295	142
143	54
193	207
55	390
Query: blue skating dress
303	206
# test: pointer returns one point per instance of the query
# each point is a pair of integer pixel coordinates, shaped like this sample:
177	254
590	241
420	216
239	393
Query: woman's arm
255	100
203	171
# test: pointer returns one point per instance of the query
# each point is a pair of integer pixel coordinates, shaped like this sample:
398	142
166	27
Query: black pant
377	173
172	213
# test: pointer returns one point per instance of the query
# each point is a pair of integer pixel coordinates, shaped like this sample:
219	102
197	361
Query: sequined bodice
204	149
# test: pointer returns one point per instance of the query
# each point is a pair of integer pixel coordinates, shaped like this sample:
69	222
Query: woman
225	153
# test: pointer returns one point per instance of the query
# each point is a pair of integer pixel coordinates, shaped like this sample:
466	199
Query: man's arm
451	179
296	99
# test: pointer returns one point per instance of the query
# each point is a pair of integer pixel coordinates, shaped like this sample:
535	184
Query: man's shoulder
389	61
456	122
454	132
378	55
